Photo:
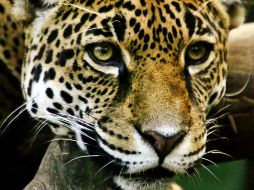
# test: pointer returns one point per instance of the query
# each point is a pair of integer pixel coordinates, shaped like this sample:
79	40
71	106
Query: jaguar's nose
163	145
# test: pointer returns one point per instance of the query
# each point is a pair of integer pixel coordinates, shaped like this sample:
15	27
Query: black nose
163	145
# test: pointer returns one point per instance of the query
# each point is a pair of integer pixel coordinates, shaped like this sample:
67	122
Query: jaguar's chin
151	174
156	178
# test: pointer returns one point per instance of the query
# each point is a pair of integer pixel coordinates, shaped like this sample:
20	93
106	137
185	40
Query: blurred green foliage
235	175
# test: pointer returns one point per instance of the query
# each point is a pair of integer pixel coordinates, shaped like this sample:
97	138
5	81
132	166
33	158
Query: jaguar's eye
106	57
102	52
198	52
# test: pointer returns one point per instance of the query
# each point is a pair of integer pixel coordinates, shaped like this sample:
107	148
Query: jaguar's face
132	79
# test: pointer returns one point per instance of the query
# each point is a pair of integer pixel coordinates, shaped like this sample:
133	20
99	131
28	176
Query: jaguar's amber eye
198	52
102	52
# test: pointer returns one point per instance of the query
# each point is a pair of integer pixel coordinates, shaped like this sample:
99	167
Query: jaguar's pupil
196	50
103	50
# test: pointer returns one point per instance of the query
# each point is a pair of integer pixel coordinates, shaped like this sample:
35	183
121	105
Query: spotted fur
144	111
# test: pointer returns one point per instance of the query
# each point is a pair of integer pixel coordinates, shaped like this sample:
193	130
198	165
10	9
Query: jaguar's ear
236	12
25	10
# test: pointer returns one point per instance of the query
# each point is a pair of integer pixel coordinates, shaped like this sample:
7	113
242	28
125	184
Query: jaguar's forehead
158	11
146	20
106	5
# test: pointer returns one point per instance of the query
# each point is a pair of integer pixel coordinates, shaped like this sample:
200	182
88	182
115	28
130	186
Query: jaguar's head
133	79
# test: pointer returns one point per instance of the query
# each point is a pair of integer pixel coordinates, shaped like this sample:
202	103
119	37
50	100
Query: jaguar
131	81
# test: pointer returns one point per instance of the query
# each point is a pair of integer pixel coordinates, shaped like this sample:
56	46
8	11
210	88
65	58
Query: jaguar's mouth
151	174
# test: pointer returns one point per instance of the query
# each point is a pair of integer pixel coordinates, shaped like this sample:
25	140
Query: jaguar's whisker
36	127
219	117
211	132
76	118
198	174
202	6
66	121
219	111
76	129
216	139
195	178
79	157
69	121
102	181
218	152
66	2
21	108
105	166
121	172
207	169
215	127
210	161
66	139
84	31
232	94
57	118
40	127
